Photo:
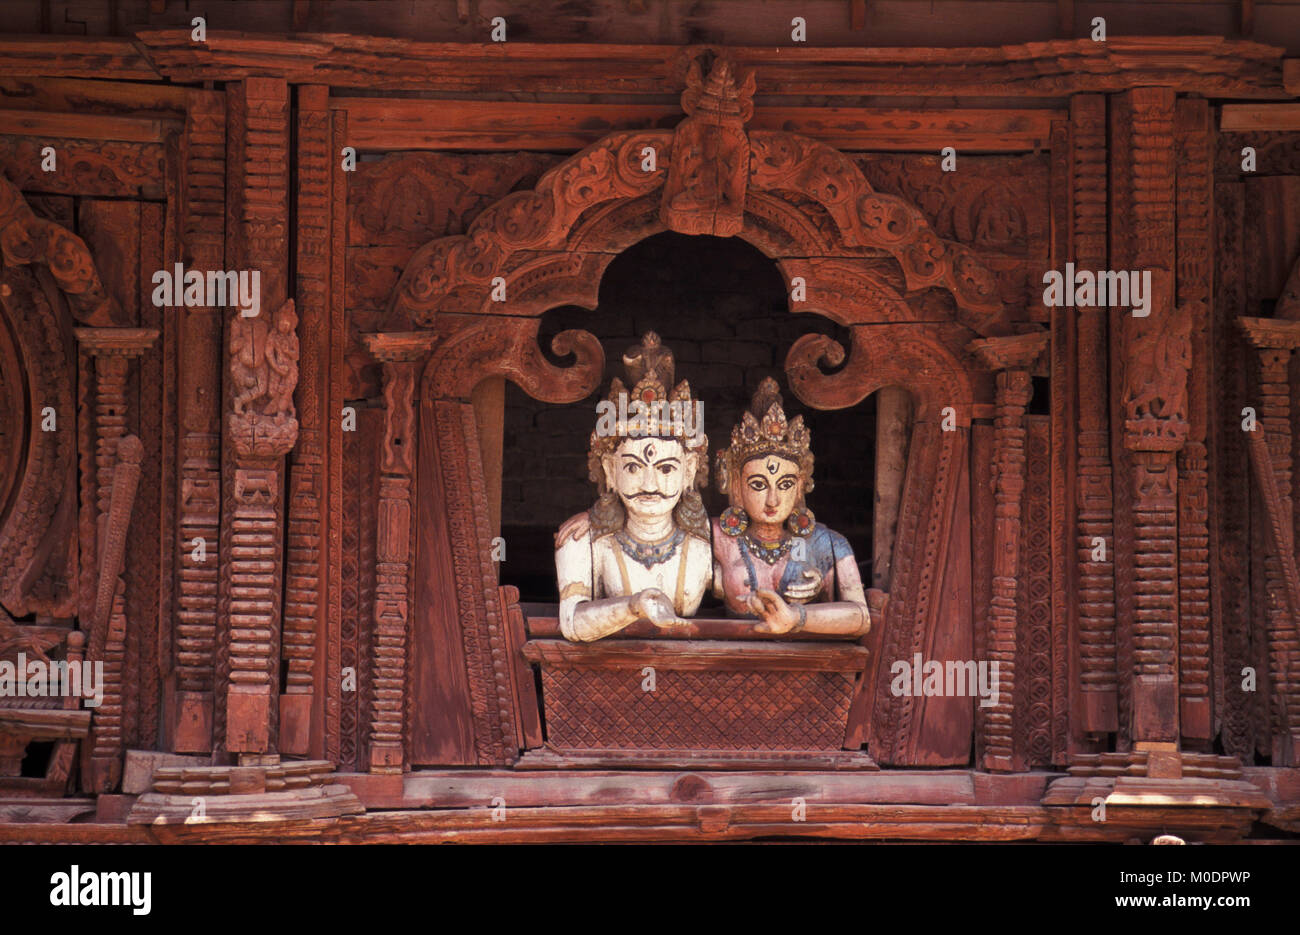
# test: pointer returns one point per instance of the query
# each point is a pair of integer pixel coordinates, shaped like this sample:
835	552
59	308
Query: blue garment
824	548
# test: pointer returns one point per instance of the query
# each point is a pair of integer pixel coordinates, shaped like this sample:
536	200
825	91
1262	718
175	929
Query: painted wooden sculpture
772	558
642	552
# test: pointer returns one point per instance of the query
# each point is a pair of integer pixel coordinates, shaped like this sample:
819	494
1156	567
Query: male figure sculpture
643	552
772	558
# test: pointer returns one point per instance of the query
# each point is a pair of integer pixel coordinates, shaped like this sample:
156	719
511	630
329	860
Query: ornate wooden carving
114	169
1237	708
1096	642
705	190
1193	138
1154	406
1270	451
117	466
1035	637
403	357
261	423
304	562
1012	359
40	348
199	408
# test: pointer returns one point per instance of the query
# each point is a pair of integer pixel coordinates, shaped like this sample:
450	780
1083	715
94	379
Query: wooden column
198	515
306	569
117	471
1013	359
1097	712
261	423
1270	451
402	356
1194	138
1153	354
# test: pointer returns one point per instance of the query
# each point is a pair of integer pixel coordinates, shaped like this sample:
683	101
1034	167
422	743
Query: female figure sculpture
771	557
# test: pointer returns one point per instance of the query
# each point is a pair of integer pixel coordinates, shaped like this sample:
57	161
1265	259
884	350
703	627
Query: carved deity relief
264	374
705	190
643	550
772	558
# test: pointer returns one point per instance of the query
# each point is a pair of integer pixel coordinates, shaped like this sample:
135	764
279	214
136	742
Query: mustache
649	493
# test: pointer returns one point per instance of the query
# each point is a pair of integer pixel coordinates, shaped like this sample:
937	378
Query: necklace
768	553
649	554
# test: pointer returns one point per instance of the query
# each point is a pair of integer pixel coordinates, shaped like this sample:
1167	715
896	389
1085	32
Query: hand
654	605
805	588
575	527
778	616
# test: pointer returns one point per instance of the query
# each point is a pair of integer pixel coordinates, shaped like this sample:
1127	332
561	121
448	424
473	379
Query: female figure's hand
778	616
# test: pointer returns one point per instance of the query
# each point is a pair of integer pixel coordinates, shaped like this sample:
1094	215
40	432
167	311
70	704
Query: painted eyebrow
786	476
668	461
628	454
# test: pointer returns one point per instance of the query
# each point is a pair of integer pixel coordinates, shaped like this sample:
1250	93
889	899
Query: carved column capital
115	342
1023	352
399	346
1271	333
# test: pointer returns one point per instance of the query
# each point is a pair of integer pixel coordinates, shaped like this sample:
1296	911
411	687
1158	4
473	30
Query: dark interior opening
720	305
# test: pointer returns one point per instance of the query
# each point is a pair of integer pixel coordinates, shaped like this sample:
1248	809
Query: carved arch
42	360
872	260
601	200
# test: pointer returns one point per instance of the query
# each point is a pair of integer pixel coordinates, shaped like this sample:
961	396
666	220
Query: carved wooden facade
277	531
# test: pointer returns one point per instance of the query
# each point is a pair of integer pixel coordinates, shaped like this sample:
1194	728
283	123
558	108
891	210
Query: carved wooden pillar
1153	356
306	569
261	422
1270	451
1097	712
402	356
117	471
1194	135
1013	359
198	514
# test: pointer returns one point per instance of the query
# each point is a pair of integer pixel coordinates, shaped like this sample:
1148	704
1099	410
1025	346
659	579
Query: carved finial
719	93
650	358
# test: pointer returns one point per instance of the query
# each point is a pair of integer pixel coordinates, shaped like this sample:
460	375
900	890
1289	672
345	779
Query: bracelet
803	619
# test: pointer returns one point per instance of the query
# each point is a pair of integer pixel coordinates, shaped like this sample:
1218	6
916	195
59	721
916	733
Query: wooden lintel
375	124
83	126
75	57
78	95
698	654
1260	117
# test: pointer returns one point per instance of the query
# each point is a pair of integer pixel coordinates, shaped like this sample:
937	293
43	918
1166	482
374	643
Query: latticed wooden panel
606	709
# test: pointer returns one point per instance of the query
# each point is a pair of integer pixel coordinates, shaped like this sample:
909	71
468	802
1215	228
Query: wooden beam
379	125
1058	68
75	57
78	95
82	126
42	724
858	14
1259	117
1247	18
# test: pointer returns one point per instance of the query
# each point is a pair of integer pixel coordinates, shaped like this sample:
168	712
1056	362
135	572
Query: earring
801	522
733	521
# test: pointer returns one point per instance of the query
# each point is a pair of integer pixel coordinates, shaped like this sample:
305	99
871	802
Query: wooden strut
1281	533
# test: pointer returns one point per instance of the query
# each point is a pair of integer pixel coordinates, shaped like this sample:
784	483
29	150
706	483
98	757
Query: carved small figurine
282	360
772	558
642	552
